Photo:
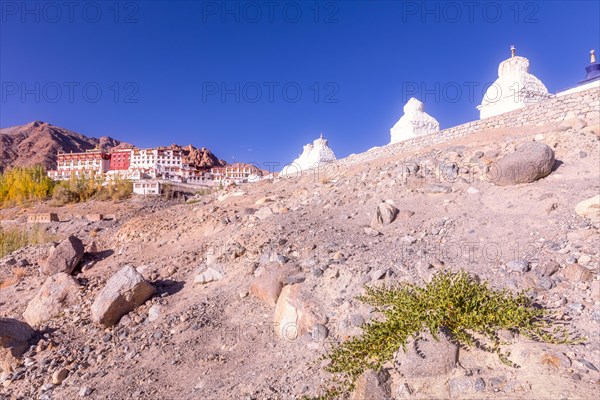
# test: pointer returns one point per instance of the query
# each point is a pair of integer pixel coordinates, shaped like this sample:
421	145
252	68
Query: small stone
549	268
582	154
584	260
154	313
319	333
459	386
518	265
578	307
357	320
209	275
479	385
577	273
59	376
85	391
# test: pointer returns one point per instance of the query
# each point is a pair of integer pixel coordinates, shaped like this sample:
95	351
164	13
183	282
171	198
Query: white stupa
312	156
415	122
514	88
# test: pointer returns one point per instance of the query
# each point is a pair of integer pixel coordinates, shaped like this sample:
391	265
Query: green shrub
454	302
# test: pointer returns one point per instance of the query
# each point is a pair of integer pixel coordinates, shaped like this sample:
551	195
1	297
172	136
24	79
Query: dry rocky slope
237	294
38	143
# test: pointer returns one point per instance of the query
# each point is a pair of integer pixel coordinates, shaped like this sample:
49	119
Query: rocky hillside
202	158
38	143
237	294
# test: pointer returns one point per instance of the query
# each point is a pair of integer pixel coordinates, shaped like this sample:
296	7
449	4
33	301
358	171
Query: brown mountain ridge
39	142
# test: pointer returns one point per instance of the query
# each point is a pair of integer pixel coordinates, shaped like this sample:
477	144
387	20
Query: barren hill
38	143
230	267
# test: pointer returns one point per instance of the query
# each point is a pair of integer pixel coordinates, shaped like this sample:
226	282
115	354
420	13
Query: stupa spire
513	50
592	56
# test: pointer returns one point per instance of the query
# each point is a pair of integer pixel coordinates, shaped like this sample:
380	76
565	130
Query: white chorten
514	88
415	122
312	156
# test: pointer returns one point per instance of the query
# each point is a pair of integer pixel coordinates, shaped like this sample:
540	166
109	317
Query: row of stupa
514	88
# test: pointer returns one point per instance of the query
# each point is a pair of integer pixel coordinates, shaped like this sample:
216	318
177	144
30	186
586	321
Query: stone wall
584	105
42	218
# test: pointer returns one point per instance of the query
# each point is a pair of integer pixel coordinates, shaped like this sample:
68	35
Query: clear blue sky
161	67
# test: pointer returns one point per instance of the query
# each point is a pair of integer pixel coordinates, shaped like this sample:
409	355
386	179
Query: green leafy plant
457	303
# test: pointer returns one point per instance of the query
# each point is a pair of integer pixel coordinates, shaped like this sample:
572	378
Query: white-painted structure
514	88
415	122
313	155
146	187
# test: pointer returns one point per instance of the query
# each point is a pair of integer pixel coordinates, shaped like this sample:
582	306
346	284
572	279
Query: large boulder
58	292
14	341
296	313
426	356
64	257
123	292
530	162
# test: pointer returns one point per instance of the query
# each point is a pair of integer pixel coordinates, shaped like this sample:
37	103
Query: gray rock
548	268
425	357
530	162
479	385
460	386
124	291
518	265
319	333
357	320
64	257
372	386
384	215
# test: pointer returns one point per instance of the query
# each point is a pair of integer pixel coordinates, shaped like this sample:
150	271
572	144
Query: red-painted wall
120	160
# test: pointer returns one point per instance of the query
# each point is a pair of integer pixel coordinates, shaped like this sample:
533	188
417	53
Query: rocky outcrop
64	257
123	292
201	158
14	341
296	313
530	162
58	292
